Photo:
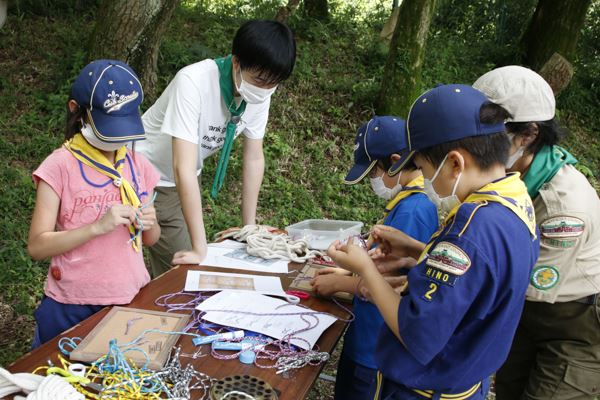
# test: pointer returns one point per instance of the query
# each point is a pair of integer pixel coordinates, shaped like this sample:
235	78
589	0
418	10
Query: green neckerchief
545	165
226	83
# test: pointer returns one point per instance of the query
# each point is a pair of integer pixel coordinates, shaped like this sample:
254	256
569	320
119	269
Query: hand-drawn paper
214	281
127	324
220	257
247	304
241	254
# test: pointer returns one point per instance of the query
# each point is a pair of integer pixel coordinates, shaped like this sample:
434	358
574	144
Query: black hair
549	133
74	120
486	150
267	47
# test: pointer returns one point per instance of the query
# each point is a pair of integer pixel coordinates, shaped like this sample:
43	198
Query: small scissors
299	294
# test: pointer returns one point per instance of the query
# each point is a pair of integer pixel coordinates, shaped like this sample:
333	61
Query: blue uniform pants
390	390
53	318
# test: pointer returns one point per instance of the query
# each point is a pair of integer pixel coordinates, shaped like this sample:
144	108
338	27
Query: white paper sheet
228	256
228	244
272	325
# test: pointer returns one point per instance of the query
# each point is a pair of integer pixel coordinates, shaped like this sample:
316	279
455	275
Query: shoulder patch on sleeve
562	227
544	277
449	258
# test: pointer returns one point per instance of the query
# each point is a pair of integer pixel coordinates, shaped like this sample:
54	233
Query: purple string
282	347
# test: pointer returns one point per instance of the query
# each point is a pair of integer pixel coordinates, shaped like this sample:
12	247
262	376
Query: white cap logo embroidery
115	101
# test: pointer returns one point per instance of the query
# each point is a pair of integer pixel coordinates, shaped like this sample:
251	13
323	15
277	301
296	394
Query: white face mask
512	159
253	94
443	204
383	191
90	136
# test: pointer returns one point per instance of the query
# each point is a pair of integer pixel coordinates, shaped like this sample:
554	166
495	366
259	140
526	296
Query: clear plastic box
320	233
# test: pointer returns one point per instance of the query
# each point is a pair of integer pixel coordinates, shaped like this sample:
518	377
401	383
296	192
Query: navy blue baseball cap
377	139
112	93
444	114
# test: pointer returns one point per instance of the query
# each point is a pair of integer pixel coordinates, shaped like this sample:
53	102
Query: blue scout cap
376	140
112	93
444	114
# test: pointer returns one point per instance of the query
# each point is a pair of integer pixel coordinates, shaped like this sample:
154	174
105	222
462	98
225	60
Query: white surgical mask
251	93
90	136
383	191
443	204
512	159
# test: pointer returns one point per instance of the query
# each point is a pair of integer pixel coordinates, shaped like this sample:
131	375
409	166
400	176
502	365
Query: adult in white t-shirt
203	109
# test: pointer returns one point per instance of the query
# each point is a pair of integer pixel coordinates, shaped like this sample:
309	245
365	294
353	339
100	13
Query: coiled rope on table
263	243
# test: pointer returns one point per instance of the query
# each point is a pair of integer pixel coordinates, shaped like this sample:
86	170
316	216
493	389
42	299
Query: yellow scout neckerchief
93	158
510	191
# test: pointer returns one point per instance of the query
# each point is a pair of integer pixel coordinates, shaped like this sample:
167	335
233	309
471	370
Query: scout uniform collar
225	67
545	165
511	193
93	158
414	186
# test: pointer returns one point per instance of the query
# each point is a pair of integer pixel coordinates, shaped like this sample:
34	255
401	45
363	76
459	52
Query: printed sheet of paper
229	255
214	281
270	325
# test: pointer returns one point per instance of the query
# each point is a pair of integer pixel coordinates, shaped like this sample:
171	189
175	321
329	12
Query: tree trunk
3	8
287	10
317	9
555	28
130	30
558	72
401	82
390	25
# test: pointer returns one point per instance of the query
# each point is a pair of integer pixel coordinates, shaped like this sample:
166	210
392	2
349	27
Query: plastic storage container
320	233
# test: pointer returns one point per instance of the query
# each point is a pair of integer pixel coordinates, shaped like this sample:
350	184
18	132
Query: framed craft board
302	282
125	325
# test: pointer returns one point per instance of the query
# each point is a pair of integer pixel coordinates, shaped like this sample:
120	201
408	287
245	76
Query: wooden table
295	387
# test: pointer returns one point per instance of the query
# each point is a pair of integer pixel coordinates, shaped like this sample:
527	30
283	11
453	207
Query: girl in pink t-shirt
94	207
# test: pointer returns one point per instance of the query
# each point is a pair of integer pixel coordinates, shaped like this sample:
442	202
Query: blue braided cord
67	341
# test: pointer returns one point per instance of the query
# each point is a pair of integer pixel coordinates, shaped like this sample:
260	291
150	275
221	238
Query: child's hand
117	215
351	257
387	264
398	283
392	242
189	256
147	216
325	285
332	271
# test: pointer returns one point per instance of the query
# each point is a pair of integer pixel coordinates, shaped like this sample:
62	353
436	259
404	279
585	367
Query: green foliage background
313	119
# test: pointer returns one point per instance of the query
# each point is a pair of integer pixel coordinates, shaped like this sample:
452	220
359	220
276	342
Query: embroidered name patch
449	258
559	243
561	227
440	276
544	277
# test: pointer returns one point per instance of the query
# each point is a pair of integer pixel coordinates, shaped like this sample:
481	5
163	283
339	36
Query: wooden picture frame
126	324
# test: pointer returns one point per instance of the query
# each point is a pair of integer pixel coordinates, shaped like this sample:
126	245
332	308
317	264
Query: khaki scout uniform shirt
567	210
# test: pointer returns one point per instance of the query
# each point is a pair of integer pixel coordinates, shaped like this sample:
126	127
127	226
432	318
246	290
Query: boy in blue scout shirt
378	145
453	325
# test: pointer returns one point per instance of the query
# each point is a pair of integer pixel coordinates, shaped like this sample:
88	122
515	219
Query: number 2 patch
429	293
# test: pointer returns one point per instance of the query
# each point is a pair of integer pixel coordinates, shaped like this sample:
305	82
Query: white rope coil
268	245
51	387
